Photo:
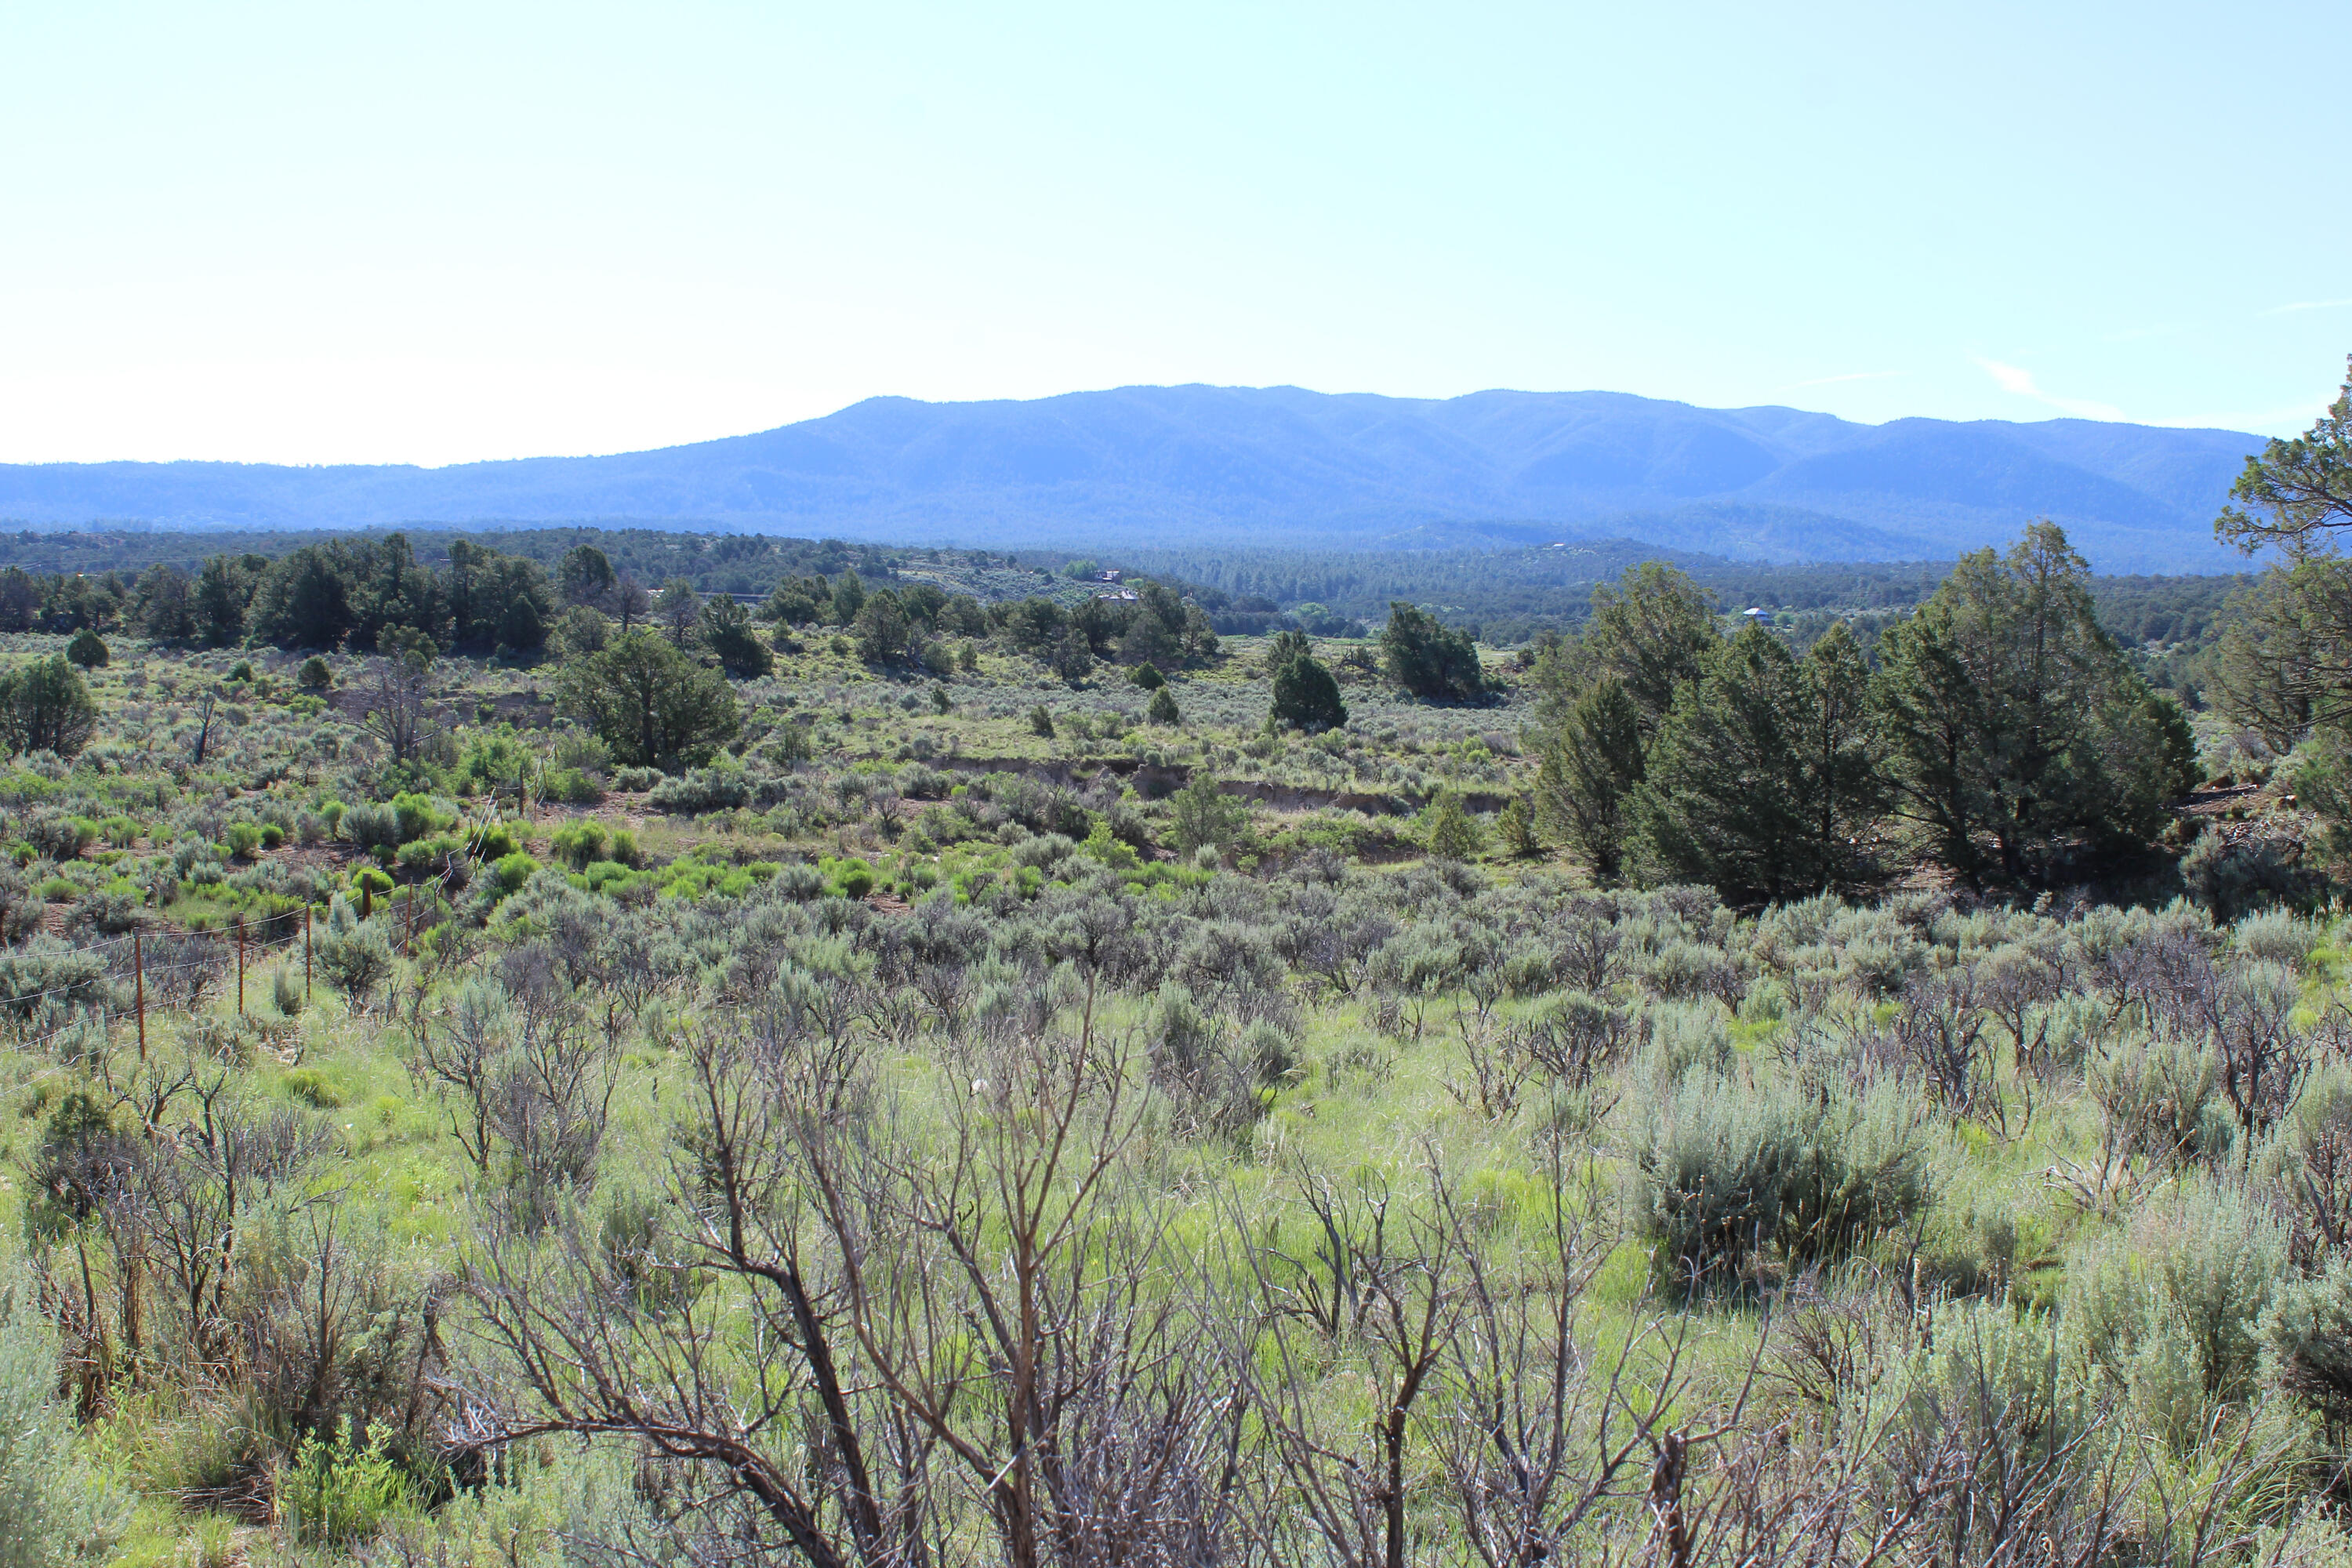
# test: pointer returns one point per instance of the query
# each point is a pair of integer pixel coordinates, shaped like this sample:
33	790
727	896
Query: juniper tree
584	576
225	589
727	632
45	707
653	705
882	629
2014	725
1516	823
1430	659
1306	697
1202	815
2283	666
1604	695
679	606
1453	833
1648	633
397	701
848	599
1591	763
1763	777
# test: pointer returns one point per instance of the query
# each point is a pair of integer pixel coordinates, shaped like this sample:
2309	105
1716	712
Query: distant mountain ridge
1282	466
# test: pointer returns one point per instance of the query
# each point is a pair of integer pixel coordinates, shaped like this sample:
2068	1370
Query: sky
332	233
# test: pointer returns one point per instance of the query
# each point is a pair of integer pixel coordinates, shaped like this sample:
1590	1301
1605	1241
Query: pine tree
1453	833
848	599
1202	815
1517	825
2015	725
1163	708
1762	778
1592	763
1605	694
1648	634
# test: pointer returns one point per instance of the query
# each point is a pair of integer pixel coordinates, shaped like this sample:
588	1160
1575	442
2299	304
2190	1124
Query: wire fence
179	966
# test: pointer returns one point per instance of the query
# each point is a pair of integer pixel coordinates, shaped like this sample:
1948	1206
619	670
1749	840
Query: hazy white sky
323	232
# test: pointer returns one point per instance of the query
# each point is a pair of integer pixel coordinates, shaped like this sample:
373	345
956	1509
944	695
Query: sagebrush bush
2157	1097
2275	936
58	836
352	953
371	827
55	1508
1709	1159
109	911
44	975
1857	1169
1686	1036
700	790
2173	1314
2308	1333
1681	969
21	908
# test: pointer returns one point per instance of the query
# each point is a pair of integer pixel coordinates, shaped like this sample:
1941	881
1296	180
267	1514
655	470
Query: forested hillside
1140	465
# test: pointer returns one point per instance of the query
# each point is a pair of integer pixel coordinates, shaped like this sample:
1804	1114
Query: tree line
712	562
362	593
66	581
1145	623
1511	596
2000	722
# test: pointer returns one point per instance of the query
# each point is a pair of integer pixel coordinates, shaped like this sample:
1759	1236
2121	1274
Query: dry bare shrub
1576	1037
2307	1167
2158	1117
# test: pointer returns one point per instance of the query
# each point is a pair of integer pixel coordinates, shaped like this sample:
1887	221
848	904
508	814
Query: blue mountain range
1281	466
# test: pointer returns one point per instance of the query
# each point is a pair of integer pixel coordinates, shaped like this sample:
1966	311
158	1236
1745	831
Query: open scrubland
926	1075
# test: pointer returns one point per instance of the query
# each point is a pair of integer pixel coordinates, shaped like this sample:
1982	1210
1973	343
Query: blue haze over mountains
1280	466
